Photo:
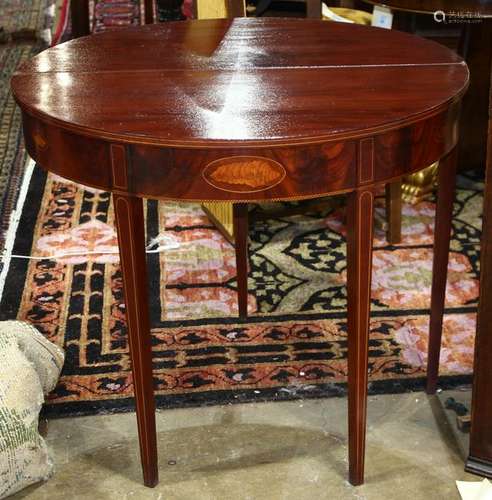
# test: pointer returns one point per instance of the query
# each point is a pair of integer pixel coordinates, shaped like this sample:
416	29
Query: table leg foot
442	237
359	265
240	224
131	236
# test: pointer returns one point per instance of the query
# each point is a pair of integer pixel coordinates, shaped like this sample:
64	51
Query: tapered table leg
359	265
393	209
442	237
240	224
131	238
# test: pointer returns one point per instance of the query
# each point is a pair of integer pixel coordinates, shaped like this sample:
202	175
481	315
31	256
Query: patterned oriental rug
24	31
295	342
26	19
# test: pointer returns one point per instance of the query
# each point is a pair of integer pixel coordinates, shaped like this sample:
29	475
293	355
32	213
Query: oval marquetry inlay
244	174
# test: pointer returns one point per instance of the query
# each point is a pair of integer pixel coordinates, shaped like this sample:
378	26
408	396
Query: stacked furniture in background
480	457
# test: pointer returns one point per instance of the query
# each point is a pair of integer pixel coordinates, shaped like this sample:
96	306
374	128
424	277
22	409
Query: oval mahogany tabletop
239	82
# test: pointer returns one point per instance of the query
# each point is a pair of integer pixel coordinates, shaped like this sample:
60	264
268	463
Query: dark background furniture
475	45
471	21
480	457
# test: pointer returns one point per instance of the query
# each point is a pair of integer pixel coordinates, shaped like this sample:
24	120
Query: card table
247	110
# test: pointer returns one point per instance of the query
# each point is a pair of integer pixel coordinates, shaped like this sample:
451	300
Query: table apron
241	173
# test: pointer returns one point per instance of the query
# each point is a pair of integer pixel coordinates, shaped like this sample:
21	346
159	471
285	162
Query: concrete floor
284	450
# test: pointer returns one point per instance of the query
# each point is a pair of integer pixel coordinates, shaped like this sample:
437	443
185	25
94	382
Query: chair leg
262	6
80	17
442	238
393	211
359	264
240	224
149	11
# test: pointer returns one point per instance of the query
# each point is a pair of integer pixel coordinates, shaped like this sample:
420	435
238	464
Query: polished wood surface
480	457
290	86
239	111
483	8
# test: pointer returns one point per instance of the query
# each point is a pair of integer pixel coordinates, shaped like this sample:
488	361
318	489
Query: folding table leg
359	265
131	237
442	237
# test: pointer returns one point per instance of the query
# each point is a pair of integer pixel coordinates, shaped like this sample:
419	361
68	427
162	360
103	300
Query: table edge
234	143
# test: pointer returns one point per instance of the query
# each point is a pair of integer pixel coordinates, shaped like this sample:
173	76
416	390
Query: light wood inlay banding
366	160
119	166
